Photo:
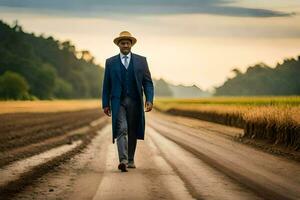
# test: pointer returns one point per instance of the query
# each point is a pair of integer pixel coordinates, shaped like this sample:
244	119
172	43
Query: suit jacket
112	89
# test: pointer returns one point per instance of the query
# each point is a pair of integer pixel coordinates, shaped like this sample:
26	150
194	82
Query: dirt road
180	158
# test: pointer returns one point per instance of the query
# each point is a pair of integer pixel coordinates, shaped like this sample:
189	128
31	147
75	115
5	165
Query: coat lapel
135	65
117	64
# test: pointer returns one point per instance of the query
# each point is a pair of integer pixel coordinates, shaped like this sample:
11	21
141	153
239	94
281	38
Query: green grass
257	101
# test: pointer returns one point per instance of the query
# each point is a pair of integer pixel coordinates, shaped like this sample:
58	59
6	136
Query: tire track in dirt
57	124
230	159
25	177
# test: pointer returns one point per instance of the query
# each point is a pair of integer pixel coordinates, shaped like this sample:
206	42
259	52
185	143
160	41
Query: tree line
38	67
261	79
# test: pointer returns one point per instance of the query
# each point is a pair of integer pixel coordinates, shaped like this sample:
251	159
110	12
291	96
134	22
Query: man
126	77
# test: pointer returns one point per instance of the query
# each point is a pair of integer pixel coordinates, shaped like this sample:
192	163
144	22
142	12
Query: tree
13	86
236	71
62	89
86	55
44	81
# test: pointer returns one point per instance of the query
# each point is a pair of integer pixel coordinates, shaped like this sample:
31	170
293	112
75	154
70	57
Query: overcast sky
185	41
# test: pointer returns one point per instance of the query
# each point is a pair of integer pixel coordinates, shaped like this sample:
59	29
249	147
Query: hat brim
133	39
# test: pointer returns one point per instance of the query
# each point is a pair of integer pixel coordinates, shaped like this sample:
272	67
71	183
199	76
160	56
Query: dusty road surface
180	158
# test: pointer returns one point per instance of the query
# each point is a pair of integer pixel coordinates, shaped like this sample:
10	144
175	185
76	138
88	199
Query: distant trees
62	89
261	79
51	68
162	88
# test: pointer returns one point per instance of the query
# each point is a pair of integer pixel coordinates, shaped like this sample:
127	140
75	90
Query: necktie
125	61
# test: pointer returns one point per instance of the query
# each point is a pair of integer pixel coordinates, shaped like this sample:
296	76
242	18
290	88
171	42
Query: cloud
144	7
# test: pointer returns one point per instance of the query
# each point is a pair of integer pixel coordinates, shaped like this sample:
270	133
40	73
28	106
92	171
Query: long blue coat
112	89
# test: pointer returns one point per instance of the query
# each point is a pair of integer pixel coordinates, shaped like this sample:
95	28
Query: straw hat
125	35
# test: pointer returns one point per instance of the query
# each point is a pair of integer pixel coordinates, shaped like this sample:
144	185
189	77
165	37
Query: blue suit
112	89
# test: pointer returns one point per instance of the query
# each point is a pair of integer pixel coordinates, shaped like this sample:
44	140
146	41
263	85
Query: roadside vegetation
275	119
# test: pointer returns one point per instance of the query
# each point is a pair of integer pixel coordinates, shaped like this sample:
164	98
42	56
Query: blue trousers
126	129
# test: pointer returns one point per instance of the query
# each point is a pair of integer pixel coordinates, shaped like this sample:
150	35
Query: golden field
249	108
47	106
276	119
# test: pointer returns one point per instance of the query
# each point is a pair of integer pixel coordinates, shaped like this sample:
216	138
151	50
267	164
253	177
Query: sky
189	42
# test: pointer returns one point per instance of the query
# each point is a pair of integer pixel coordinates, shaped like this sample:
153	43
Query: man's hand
107	111
148	106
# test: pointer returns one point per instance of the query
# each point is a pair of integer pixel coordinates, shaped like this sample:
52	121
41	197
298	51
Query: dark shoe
131	165
122	167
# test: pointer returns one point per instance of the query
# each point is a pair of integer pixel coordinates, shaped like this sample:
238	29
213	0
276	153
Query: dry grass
280	114
274	119
47	106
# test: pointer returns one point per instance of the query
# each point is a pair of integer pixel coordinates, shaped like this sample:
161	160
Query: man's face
125	46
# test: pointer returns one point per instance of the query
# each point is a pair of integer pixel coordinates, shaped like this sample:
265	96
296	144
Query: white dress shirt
123	59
